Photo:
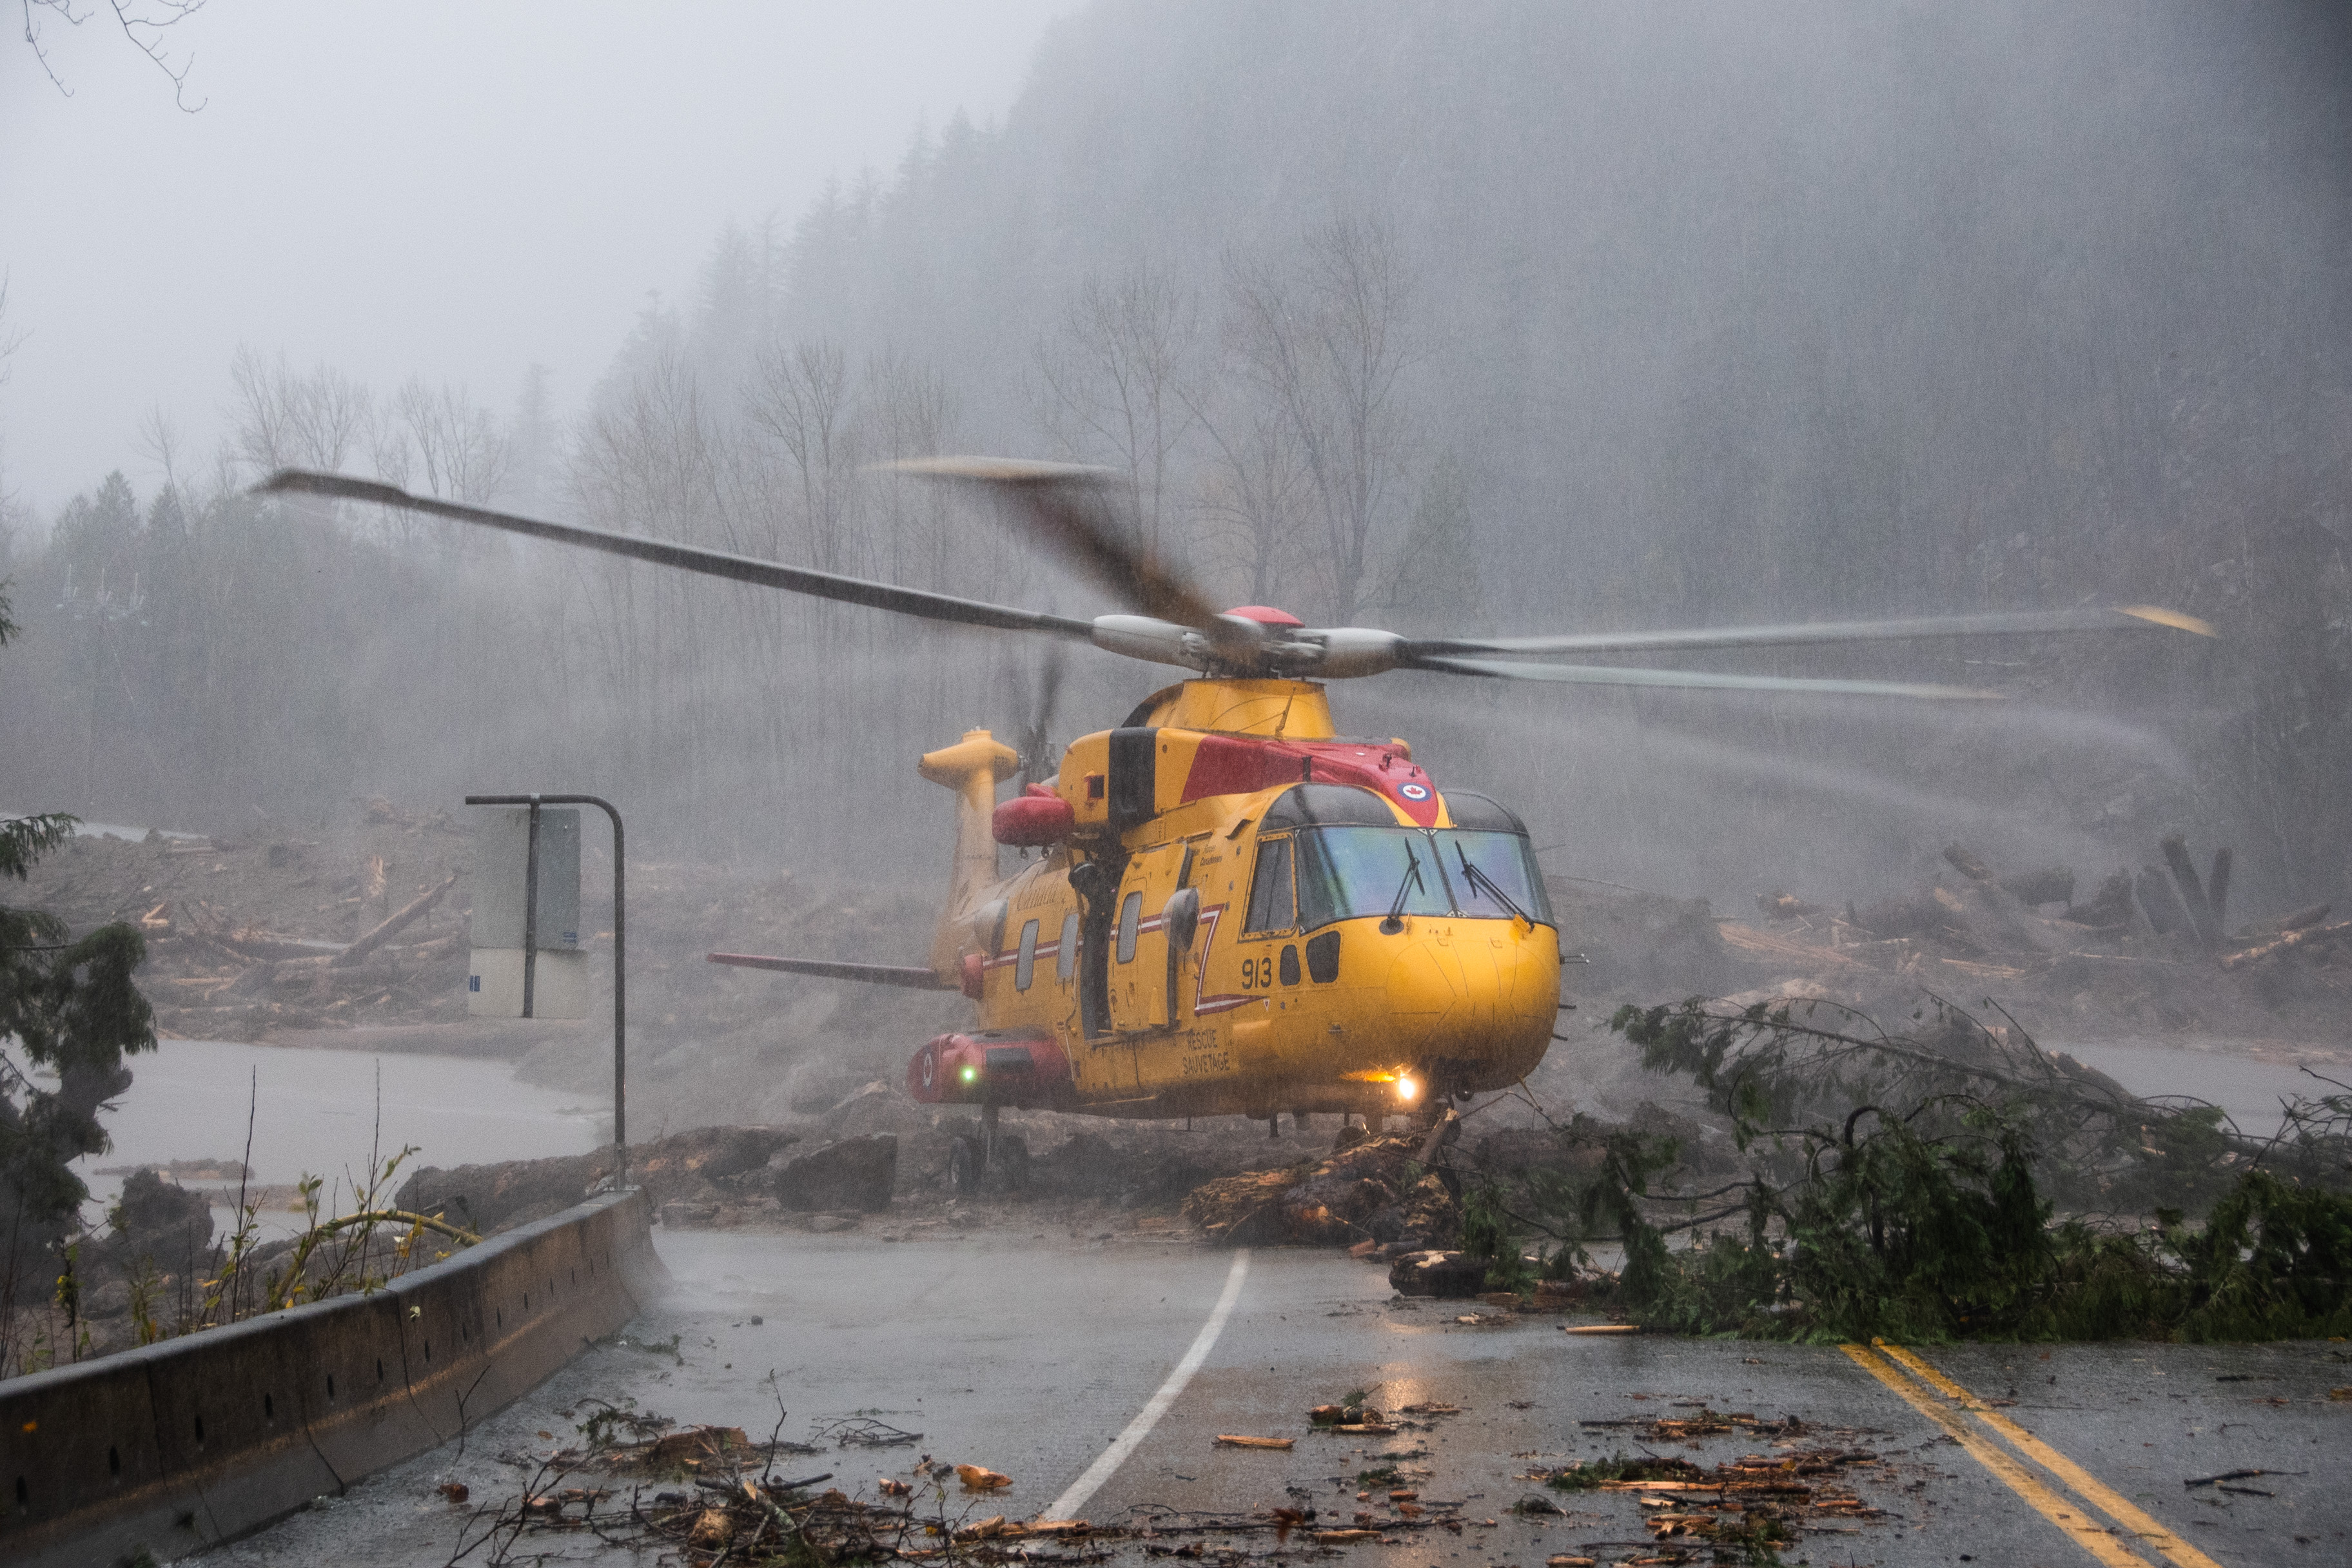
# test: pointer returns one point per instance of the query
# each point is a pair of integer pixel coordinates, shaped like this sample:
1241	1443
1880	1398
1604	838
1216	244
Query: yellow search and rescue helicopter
1238	910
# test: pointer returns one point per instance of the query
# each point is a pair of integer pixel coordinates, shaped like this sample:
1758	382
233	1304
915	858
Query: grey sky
455	191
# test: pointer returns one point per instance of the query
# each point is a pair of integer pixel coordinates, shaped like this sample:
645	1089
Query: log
2111	905
2192	887
2217	889
386	969
1967	864
261	946
1997	916
257	978
392	927
2051	885
2262	930
1780	949
2160	903
2307	937
1786	907
1906	914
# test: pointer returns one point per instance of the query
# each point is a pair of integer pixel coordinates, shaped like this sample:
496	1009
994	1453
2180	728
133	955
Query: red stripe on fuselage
1231	764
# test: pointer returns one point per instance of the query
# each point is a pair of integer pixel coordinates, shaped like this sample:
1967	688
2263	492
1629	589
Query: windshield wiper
1480	879
1395	922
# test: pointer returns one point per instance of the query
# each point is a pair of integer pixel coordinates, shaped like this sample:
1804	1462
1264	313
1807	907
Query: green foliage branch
1898	1190
67	1006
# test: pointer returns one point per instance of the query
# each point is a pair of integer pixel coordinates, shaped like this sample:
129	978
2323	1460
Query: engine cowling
1028	1072
1032	821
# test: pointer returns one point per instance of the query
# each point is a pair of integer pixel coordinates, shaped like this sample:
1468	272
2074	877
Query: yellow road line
2087	1533
2087	1486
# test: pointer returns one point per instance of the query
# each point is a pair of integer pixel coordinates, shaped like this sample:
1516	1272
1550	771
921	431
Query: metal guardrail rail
200	1439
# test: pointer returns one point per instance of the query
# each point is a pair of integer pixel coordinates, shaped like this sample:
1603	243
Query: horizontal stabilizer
871	973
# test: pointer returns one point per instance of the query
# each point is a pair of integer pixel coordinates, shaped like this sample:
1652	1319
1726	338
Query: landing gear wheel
1009	1171
964	1167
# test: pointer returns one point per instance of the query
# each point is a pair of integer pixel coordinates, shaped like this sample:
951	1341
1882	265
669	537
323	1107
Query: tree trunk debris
393	926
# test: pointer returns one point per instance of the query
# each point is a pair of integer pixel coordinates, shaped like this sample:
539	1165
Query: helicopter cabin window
1066	956
1494	876
1270	890
1024	967
1347	873
1130	923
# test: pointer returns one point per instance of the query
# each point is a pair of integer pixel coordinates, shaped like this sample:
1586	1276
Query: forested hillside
1514	317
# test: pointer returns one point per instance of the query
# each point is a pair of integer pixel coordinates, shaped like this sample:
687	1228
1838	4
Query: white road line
1068	1505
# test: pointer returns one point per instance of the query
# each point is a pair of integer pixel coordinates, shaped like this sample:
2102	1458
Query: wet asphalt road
1033	1353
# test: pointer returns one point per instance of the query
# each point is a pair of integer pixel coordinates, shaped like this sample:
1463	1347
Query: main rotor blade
915	602
1606	675
1067	508
2087	618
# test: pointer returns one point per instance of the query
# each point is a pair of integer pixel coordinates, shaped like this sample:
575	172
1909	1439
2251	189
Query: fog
1694	317
458	192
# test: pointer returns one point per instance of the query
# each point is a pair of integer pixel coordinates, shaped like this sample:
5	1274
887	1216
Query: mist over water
325	1114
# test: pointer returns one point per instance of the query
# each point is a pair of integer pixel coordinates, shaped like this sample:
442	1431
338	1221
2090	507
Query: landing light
1407	1089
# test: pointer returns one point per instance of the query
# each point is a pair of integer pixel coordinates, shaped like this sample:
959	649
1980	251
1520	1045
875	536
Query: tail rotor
1032	738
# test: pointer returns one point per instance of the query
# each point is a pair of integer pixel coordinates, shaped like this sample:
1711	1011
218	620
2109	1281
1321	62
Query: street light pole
620	956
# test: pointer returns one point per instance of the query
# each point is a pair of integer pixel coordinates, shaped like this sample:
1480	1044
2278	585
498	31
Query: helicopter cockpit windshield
1482	869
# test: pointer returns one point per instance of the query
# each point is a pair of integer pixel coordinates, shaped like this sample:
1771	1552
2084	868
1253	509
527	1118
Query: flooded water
316	1111
113	829
2247	1089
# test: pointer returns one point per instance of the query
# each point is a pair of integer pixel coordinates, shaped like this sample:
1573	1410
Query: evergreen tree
67	1005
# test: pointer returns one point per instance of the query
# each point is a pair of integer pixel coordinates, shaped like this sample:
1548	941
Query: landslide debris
1375	1190
705	1495
702	1166
2147	950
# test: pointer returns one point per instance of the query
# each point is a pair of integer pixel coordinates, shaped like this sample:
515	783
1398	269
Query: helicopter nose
1476	990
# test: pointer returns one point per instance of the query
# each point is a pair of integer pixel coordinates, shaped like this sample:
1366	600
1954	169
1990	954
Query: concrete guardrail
196	1440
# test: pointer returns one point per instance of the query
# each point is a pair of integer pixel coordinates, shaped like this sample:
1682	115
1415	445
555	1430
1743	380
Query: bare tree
10	340
1325	345
1254	493
285	420
144	22
800	395
1115	377
905	413
159	442
462	452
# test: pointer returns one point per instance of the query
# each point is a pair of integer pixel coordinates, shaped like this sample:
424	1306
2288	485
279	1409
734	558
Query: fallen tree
1899	1186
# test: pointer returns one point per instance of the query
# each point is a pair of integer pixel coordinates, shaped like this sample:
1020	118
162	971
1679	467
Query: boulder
855	1173
708	1153
1448	1276
1123	1166
162	1221
685	1167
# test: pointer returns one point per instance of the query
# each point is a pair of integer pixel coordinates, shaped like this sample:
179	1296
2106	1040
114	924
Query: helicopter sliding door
1093	963
1139	955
